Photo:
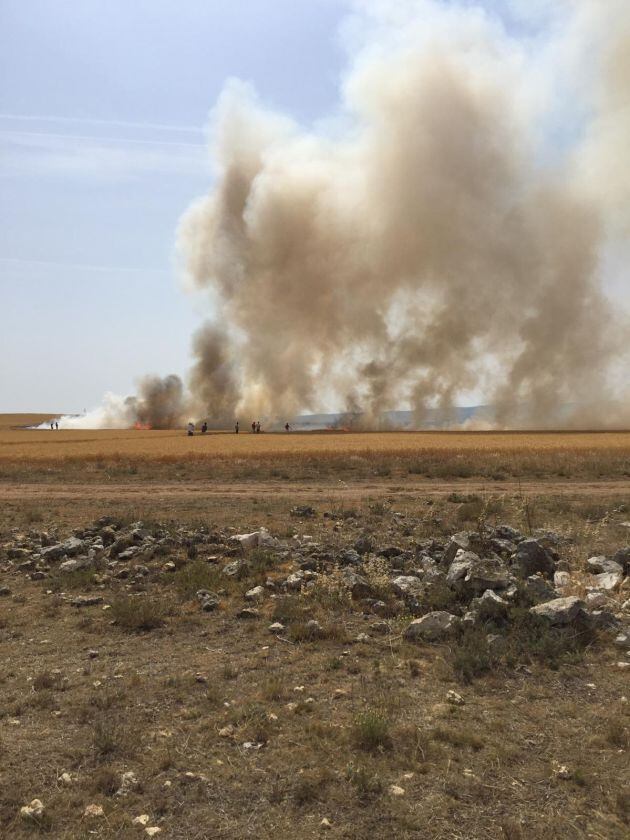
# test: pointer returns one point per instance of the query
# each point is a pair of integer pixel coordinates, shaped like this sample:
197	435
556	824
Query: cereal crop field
31	454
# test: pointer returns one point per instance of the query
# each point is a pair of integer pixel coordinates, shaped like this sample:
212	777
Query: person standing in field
57	425
236	427
191	429
258	427
287	428
52	427
204	428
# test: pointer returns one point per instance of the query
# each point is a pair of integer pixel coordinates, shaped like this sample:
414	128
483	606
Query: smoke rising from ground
444	234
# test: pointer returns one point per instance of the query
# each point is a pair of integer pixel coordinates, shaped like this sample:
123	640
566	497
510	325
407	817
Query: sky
103	105
103	109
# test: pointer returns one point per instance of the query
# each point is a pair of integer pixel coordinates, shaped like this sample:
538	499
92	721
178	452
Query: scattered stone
531	557
596	599
33	811
560	611
257	539
608	581
325	824
601	565
623	640
151	831
561	579
226	731
460	565
622	557
255	594
454	698
303	511
432	627
86	601
396	790
407	585
276	627
489	605
357	584
294	582
129	782
248	612
314	628
538	590
561	771
143	819
65	779
94	811
364	545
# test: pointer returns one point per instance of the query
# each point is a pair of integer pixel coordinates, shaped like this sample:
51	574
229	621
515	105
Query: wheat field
433	454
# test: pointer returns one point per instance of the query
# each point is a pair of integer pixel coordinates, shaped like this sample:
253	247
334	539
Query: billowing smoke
445	234
159	404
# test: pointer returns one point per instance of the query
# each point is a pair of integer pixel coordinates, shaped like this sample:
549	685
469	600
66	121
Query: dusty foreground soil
309	490
345	729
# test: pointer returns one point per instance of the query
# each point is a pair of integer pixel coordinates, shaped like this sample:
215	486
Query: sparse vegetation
139	613
371	730
259	730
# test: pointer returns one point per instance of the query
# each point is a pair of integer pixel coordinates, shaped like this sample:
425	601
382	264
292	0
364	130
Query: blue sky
103	105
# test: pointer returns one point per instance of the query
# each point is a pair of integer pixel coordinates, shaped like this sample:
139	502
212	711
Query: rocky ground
347	673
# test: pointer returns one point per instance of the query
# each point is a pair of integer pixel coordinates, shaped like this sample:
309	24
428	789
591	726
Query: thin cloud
34	153
17	262
91	139
50	118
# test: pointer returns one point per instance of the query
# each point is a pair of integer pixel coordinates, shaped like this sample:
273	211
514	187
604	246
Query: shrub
617	734
471	656
534	638
376	571
65	581
105	781
366	785
370	730
192	577
46	680
273	688
309	785
332	591
457	737
135	614
288	609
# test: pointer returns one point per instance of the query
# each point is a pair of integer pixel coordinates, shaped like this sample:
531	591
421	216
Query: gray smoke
159	404
426	245
446	233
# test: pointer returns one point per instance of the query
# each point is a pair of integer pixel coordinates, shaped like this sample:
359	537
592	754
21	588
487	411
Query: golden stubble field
27	454
21	443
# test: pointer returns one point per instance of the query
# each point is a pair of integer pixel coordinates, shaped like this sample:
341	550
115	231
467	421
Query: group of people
204	427
191	428
54	425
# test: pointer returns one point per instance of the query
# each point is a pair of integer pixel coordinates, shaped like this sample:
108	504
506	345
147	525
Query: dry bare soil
234	731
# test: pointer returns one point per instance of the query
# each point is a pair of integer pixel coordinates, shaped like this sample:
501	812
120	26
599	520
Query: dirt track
179	490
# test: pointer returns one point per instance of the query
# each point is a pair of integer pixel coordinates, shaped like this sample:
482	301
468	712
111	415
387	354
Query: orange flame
142	426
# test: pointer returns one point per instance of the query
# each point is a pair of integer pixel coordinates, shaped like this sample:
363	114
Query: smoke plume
444	234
